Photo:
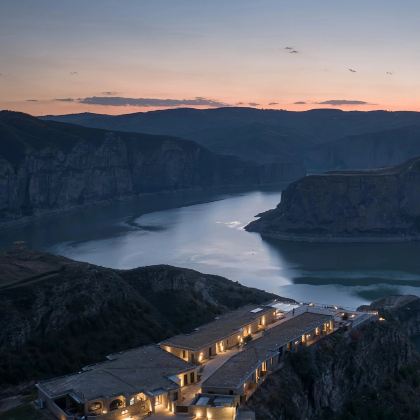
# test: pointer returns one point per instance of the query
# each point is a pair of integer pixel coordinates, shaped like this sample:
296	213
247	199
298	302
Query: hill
366	151
376	205
58	315
46	165
322	138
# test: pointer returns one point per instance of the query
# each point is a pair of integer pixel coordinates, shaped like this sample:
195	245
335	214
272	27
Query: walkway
208	369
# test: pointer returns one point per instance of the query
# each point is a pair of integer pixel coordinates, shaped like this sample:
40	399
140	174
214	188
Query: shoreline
42	215
338	239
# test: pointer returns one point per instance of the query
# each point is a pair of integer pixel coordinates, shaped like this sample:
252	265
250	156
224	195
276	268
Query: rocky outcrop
371	372
57	315
47	166
376	205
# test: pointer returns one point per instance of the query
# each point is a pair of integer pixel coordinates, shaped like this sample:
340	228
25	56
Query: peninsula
348	206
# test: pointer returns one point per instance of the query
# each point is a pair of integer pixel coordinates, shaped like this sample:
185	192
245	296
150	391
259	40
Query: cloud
273	103
289	48
109	93
149	102
74	73
343	102
294	52
352	70
31	100
389	73
299	103
239	103
65	99
252	104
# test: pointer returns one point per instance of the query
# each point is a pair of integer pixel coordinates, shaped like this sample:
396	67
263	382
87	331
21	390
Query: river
205	232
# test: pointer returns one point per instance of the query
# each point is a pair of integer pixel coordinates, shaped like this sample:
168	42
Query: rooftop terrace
143	369
222	327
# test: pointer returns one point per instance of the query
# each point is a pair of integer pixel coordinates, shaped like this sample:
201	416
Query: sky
121	56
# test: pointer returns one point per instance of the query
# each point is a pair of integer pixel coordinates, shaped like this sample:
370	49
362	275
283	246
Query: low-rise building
225	332
244	371
128	383
217	407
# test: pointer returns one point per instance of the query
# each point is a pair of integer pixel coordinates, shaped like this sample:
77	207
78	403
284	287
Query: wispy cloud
389	73
343	102
74	73
352	70
253	104
299	103
65	99
31	100
109	93
273	103
149	102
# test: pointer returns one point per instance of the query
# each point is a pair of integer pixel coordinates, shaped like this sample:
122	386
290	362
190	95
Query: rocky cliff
48	165
348	206
57	315
370	373
366	151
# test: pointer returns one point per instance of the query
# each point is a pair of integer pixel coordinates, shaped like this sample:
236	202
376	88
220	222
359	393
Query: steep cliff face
371	373
57	315
366	151
348	206
49	165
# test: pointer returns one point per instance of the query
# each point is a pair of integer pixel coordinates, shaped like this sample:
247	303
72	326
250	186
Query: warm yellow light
381	319
104	411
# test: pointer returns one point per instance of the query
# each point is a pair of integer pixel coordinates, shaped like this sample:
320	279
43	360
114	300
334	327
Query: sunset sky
120	56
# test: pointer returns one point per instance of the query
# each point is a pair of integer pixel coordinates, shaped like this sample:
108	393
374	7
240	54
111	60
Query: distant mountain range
47	165
324	139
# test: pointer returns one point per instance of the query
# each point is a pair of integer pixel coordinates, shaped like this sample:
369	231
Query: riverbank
44	214
338	239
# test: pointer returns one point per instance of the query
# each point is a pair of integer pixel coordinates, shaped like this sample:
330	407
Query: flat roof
285	306
144	369
222	327
239	367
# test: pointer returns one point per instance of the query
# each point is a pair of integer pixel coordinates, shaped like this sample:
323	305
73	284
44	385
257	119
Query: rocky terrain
375	205
372	373
45	166
57	315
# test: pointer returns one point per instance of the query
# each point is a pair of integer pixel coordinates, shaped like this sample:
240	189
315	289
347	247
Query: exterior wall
216	413
183	354
225	343
52	407
188	377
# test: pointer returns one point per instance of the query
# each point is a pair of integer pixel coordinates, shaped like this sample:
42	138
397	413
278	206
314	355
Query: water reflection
205	232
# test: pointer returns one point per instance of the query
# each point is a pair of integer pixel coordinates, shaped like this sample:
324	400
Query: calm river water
205	232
